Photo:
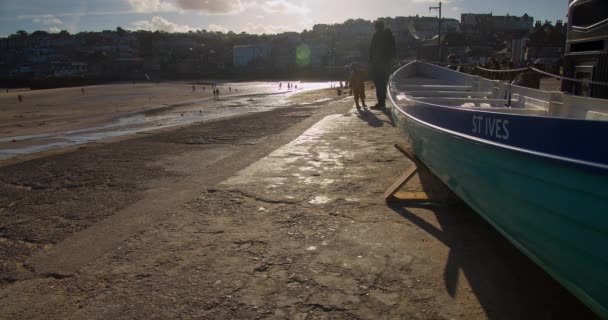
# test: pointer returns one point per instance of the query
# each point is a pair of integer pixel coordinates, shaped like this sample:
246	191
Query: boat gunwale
537	113
490	111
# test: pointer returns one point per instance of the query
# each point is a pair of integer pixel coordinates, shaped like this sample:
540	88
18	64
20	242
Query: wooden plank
410	196
408	154
403	179
393	194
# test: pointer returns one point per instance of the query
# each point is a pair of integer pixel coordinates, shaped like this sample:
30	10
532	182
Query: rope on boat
502	71
584	81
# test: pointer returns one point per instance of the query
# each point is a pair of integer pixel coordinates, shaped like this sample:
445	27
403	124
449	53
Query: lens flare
303	55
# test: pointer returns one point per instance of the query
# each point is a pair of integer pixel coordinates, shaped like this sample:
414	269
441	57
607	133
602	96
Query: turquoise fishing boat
534	164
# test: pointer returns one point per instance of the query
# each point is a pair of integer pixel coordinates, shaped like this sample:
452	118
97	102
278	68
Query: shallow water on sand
235	99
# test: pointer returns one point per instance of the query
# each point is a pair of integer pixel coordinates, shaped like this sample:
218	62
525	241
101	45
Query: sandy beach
59	118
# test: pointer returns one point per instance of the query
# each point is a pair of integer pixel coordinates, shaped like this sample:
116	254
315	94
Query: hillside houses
123	54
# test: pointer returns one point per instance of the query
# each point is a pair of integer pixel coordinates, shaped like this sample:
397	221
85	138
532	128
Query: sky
252	16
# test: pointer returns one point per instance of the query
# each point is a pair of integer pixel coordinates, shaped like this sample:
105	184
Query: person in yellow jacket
357	83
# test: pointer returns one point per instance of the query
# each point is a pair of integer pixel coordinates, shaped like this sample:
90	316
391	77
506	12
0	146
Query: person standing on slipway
381	53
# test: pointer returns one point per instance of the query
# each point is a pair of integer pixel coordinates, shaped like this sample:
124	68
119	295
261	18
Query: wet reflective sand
51	119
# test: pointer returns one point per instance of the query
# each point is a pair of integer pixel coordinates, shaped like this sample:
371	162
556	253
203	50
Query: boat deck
498	97
433	91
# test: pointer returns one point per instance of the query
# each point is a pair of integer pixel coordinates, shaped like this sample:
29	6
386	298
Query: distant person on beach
82	90
193	88
20	98
357	83
381	53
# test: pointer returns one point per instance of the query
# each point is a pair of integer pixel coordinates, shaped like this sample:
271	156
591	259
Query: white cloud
160	24
201	6
284	6
53	30
211	6
47	19
152	5
255	28
217	27
431	1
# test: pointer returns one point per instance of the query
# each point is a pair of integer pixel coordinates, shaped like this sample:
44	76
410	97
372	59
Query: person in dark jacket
381	53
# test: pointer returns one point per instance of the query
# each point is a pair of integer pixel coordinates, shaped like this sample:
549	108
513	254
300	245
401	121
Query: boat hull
555	213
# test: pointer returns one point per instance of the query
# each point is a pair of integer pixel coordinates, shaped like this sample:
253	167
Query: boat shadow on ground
507	284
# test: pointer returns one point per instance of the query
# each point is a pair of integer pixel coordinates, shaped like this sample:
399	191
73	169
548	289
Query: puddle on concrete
316	180
320	200
315	163
275	180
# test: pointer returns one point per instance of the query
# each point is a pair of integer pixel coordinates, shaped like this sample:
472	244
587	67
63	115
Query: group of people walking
289	86
216	91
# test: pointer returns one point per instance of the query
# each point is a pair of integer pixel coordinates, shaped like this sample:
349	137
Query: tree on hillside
19	34
121	32
39	34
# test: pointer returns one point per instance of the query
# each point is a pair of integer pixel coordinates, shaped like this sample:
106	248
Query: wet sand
269	215
58	118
